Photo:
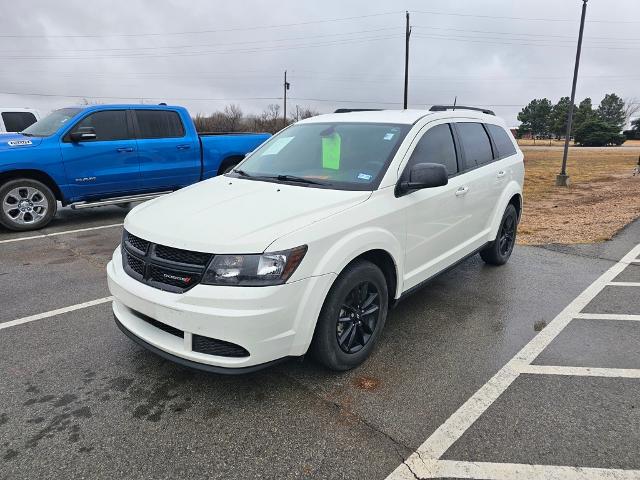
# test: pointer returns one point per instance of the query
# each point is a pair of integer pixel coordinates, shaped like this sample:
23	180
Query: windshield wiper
293	178
242	173
26	134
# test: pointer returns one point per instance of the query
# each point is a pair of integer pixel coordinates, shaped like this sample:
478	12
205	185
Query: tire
228	165
356	285
499	251
26	204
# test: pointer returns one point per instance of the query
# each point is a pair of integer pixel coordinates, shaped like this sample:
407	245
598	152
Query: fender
510	190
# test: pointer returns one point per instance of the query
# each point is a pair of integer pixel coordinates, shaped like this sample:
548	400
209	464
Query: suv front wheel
499	251
26	204
352	317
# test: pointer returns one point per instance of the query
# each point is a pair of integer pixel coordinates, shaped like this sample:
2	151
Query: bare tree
301	113
631	108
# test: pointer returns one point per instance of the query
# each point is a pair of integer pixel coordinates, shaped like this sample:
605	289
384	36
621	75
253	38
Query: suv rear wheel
499	251
26	204
352	317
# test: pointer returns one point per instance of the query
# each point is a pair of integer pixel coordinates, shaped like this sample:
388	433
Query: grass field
525	142
602	198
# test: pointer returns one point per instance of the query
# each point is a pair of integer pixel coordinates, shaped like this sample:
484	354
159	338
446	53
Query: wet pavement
78	399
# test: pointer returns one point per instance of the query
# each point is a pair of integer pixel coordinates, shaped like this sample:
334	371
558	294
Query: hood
15	141
232	215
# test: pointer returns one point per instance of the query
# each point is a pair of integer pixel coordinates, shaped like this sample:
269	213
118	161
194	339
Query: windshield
51	123
349	156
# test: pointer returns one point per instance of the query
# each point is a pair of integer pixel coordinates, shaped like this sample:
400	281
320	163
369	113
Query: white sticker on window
388	136
277	145
364	176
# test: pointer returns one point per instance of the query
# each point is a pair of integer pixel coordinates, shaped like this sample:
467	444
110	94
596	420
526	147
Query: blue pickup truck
107	154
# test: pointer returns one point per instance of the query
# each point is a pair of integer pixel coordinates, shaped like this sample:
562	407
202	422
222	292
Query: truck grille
159	266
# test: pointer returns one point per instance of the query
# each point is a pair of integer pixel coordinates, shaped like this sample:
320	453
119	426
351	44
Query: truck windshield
51	123
341	155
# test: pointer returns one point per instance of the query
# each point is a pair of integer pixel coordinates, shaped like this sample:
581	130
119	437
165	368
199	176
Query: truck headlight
258	270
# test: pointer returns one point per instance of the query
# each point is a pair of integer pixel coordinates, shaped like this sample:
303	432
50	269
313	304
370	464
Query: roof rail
349	110
443	108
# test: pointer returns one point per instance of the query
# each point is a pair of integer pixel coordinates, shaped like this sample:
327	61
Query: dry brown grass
525	142
603	196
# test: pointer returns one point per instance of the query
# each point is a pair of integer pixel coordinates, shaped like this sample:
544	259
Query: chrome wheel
358	317
25	205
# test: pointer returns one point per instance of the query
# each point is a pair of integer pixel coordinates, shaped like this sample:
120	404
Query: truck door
169	158
106	165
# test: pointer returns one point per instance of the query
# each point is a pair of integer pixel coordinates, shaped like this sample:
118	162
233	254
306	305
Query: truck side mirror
83	134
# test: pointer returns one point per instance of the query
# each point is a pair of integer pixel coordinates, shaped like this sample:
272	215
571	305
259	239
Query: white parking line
624	284
53	313
55	234
427	455
581	371
518	471
607	316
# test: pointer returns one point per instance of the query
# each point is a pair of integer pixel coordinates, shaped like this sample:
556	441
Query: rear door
169	158
477	194
107	165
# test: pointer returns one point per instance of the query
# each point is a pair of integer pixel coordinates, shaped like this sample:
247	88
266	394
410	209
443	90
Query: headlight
259	270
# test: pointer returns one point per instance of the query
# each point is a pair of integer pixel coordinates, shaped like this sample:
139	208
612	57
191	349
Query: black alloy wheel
358	317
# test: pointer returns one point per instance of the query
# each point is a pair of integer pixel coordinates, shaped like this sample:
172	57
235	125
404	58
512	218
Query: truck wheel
352	317
26	204
499	251
228	165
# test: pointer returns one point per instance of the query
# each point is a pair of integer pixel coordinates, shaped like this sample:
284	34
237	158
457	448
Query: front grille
159	266
135	264
137	243
212	346
182	256
162	326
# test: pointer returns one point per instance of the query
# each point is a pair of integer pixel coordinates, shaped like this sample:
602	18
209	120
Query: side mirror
83	134
423	175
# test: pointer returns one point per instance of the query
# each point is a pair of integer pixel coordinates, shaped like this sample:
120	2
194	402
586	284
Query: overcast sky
339	53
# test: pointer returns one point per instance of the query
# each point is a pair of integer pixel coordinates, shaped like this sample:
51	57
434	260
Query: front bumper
271	323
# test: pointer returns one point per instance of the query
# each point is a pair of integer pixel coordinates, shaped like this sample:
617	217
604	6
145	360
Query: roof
406	117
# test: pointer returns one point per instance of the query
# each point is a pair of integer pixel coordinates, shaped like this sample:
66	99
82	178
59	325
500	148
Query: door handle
124	149
462	191
183	147
501	174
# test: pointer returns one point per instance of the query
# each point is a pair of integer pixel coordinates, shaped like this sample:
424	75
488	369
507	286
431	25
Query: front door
436	222
106	166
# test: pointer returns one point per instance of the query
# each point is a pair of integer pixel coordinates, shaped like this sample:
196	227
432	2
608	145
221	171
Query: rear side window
17	121
476	144
436	146
108	124
159	124
502	141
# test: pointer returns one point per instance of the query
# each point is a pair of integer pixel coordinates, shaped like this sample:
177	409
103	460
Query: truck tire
352	317
26	204
228	164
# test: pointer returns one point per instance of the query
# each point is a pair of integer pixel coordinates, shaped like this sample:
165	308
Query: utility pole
287	85
407	34
562	179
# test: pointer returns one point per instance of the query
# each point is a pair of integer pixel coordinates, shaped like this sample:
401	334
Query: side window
476	144
108	124
159	124
17	121
436	146
502	141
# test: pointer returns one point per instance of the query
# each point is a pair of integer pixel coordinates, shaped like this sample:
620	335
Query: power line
209	52
108	97
530	19
194	32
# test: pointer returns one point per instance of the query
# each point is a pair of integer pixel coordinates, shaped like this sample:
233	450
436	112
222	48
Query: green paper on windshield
331	151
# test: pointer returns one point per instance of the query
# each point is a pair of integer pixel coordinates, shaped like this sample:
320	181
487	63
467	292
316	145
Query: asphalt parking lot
531	370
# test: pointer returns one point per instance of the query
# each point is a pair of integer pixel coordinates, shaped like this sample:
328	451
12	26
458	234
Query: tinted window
109	125
159	124
476	144
436	146
501	140
17	121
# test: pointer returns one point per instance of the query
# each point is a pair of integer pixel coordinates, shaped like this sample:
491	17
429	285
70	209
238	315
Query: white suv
306	244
